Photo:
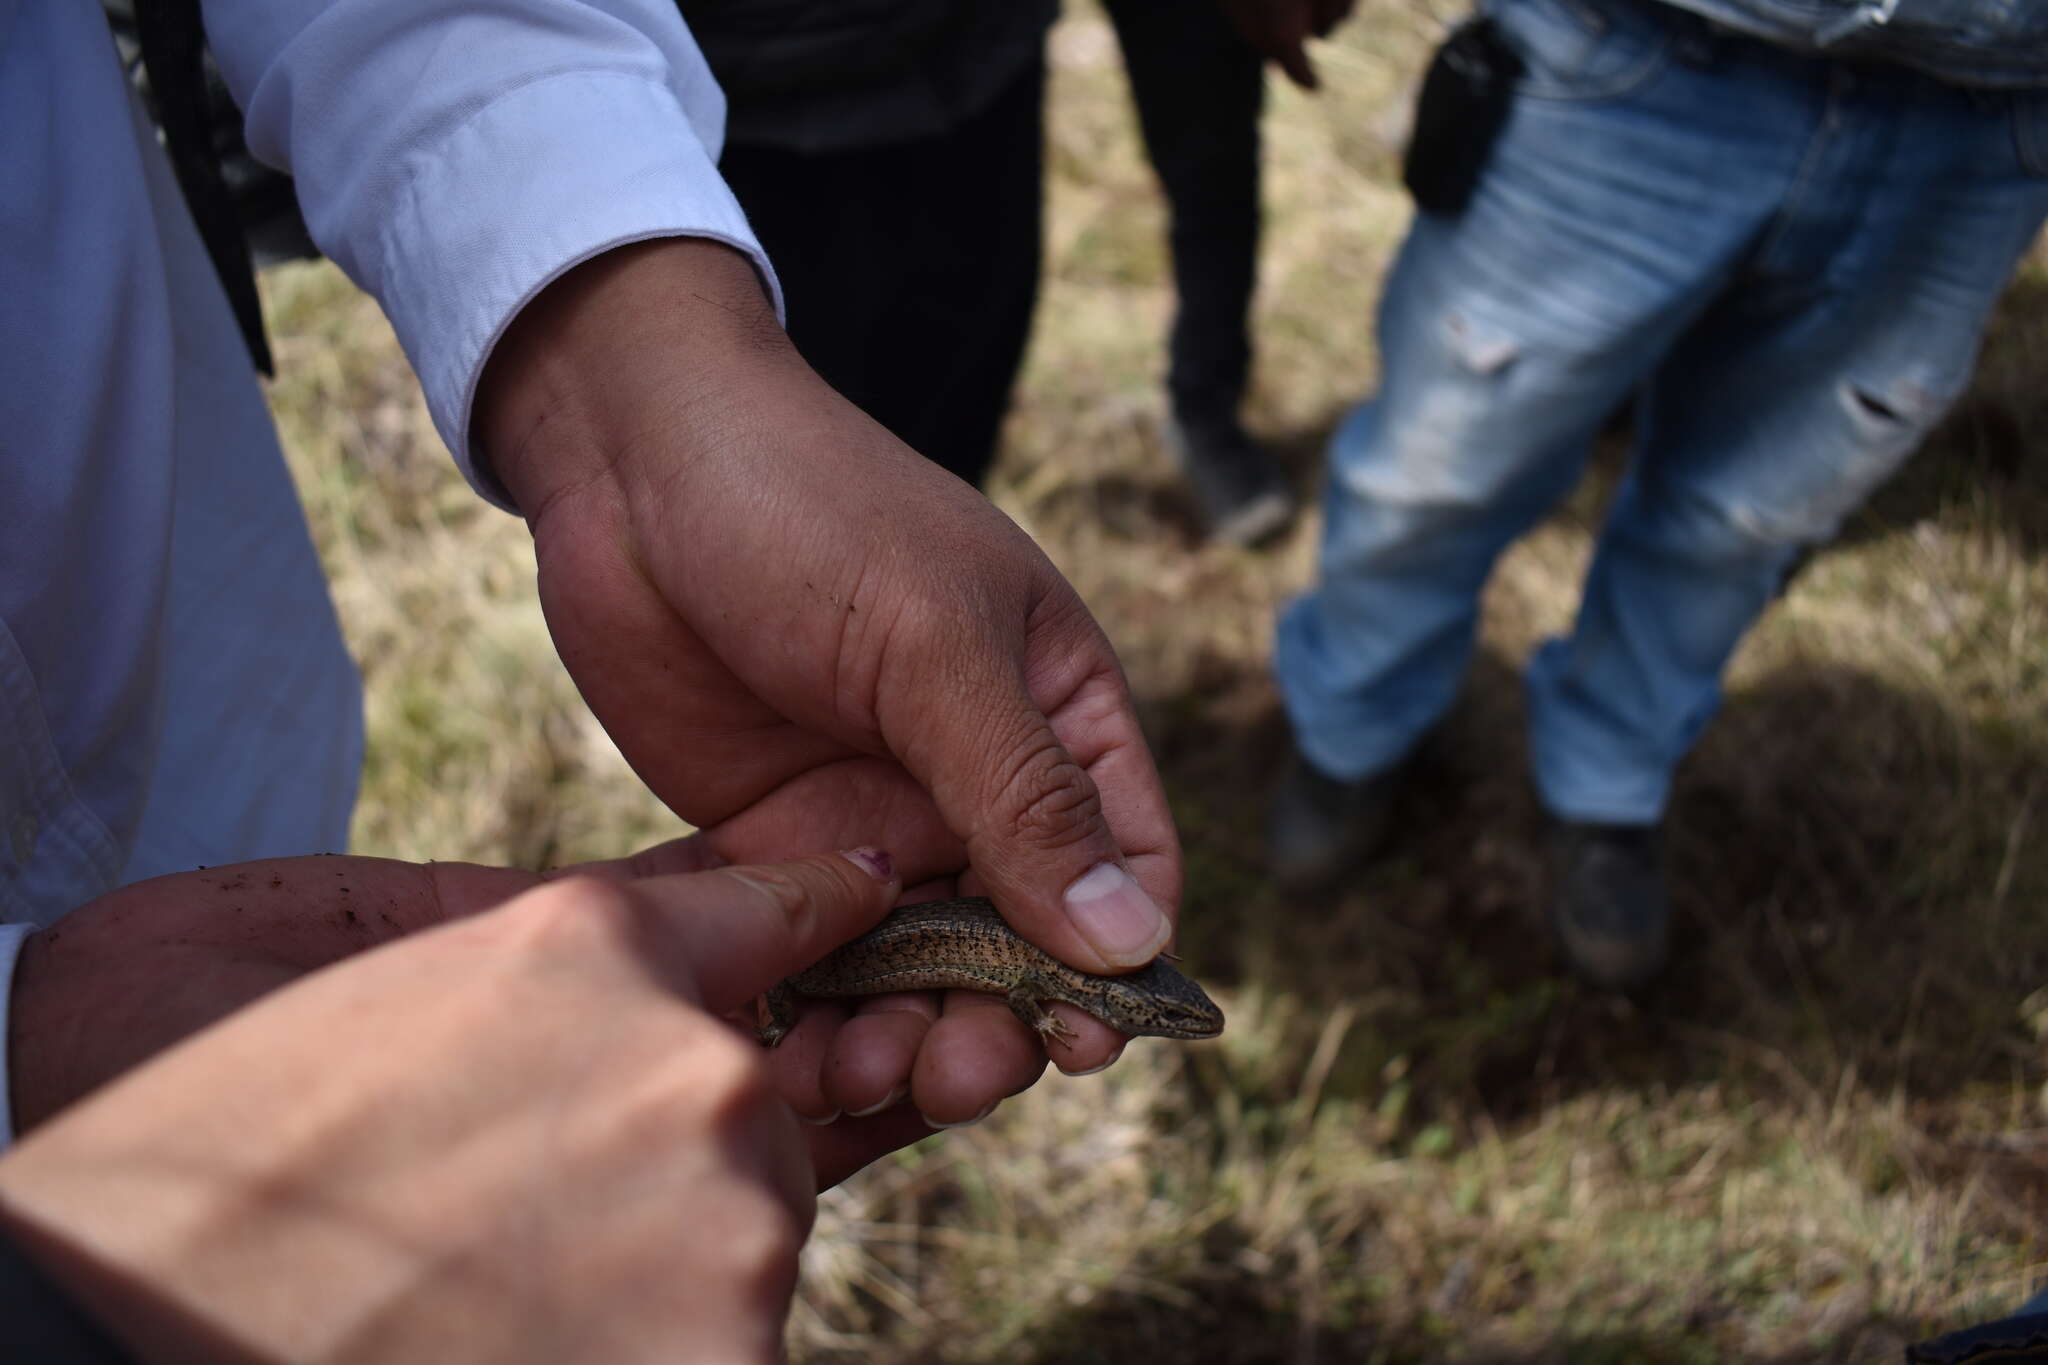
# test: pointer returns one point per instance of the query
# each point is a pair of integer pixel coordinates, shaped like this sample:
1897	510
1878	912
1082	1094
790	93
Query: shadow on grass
1855	892
1854	914
1236	1325
1849	879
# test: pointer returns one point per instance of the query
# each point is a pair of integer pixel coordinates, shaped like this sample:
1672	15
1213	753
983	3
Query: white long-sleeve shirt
173	686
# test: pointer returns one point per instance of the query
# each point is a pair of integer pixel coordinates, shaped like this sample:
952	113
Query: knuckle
760	1251
778	1241
573	913
785	893
779	886
1051	800
777	1227
727	1083
727	1070
708	1079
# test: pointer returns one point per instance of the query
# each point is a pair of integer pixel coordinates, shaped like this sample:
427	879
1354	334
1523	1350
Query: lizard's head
1156	1001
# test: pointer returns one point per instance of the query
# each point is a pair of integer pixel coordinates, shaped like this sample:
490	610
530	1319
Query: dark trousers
910	269
1199	89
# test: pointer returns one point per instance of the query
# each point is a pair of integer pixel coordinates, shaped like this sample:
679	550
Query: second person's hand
522	1135
1280	30
138	970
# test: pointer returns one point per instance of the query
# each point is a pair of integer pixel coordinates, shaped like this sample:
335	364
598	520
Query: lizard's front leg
1028	1002
778	1009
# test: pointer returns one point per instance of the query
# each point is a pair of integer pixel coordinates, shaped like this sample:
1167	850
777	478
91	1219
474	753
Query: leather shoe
1243	497
1609	906
1319	828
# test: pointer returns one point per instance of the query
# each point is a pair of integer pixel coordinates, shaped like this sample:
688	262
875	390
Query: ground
1825	1135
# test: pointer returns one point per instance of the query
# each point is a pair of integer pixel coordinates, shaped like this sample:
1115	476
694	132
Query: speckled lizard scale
966	944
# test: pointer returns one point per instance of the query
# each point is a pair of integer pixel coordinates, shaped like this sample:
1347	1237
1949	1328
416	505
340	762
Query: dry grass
1827	1134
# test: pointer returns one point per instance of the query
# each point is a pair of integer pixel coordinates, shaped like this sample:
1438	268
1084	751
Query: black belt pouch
1459	115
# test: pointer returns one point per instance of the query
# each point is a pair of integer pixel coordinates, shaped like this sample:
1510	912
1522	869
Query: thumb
1049	831
1049	783
737	931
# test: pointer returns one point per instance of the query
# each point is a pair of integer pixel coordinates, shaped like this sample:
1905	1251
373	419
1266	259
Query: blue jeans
1789	259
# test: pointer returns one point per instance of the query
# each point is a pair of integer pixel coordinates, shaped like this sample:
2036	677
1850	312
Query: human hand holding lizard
803	635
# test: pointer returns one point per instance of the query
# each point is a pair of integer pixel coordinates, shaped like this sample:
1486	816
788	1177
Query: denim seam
1809	166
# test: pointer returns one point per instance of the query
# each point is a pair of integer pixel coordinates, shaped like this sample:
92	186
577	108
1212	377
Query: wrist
630	343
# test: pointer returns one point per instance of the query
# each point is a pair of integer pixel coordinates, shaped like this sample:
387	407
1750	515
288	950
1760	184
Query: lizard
966	943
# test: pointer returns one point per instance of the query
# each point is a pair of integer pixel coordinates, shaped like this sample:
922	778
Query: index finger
736	931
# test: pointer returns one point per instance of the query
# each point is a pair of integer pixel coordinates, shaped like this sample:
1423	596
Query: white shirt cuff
536	182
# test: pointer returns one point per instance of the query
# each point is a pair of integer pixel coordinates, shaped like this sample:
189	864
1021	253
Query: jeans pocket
2030	131
1580	49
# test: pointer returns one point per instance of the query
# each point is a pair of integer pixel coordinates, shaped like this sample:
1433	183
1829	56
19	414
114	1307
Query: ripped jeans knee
1473	423
1787	479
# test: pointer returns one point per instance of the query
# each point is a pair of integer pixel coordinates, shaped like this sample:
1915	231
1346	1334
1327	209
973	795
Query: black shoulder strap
173	43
